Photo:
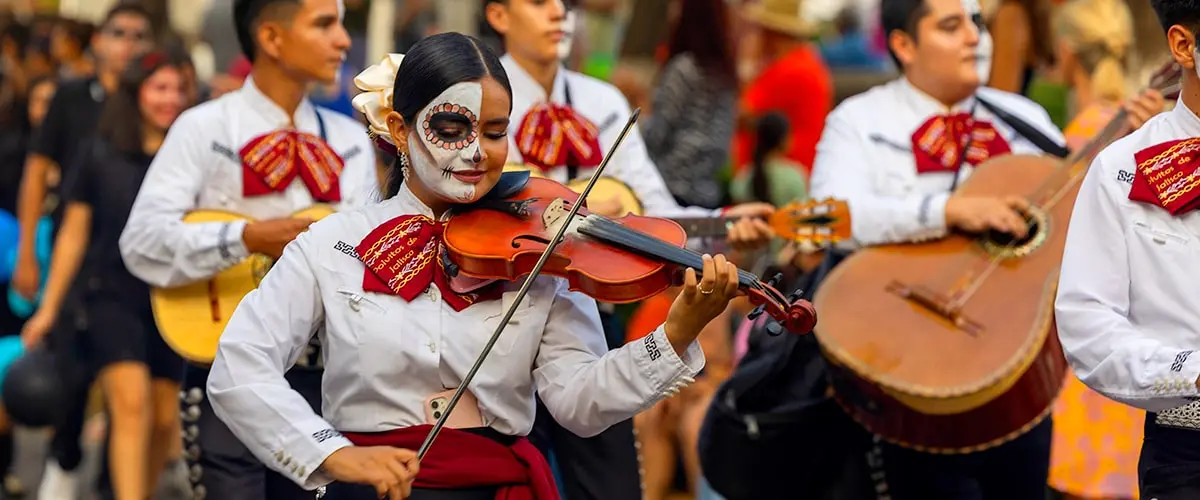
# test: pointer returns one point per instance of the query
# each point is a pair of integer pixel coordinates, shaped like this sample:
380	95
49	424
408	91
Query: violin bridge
554	215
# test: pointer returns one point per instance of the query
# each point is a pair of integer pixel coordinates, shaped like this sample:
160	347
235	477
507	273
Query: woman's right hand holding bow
390	470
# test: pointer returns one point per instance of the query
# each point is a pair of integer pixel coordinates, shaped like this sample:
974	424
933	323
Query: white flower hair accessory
375	102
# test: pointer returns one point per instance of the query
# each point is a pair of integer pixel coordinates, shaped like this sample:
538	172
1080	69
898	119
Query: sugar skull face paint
444	143
568	36
983	51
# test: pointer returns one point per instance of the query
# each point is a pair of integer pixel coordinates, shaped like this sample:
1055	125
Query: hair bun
375	102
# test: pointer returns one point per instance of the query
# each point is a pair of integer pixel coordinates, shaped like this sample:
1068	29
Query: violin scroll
794	313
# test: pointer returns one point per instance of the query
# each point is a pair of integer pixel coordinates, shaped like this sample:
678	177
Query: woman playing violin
399	332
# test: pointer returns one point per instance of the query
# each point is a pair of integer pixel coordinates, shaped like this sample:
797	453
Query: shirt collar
405	202
927	105
523	82
305	118
1186	118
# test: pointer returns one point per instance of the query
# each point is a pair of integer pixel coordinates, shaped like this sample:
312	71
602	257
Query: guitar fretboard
705	227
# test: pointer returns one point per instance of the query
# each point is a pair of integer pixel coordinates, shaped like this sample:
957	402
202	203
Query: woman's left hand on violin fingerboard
751	232
703	297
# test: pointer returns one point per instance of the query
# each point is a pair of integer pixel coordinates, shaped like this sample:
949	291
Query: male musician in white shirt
206	163
874	153
886	152
533	33
1128	311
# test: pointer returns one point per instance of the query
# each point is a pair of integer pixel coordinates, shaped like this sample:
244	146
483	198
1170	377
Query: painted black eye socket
450	126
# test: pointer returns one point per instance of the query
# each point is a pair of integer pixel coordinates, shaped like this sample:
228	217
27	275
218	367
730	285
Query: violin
618	260
525	227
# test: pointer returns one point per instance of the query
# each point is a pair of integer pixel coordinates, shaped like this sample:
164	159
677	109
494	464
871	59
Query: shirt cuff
302	460
931	215
230	244
1180	382
667	371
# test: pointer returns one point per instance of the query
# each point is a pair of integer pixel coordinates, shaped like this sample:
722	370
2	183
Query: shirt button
433	293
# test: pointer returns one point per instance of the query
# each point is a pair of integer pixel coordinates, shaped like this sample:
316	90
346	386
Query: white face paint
444	143
568	38
983	51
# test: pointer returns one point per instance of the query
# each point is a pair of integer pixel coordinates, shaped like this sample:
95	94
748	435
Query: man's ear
398	130
496	14
903	46
269	36
1182	44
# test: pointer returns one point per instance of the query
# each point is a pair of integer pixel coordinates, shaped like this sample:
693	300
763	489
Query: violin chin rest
511	183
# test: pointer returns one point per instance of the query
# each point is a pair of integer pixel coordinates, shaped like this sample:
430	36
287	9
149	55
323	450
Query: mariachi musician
562	122
898	176
205	163
1127	311
398	330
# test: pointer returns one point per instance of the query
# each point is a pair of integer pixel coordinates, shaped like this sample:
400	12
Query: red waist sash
460	459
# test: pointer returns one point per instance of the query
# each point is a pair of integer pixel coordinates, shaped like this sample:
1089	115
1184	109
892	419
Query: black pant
220	465
1017	470
78	372
603	467
1169	467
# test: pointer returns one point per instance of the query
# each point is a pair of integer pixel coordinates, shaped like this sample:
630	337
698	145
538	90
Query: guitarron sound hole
1008	246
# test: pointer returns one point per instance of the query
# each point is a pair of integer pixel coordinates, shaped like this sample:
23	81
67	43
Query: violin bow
512	308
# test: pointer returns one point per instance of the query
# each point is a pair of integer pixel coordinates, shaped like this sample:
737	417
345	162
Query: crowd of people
331	372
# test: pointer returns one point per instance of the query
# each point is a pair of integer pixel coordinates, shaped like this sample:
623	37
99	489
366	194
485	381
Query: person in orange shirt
795	81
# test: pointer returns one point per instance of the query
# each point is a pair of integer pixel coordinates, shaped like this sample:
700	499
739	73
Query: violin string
679	256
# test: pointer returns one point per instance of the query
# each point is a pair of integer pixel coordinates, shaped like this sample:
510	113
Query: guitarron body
935	348
192	317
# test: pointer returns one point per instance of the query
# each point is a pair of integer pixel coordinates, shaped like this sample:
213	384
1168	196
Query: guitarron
950	346
192	317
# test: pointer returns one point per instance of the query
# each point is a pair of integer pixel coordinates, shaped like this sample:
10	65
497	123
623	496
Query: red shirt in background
798	85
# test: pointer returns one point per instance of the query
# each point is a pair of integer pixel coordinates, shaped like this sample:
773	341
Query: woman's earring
404	160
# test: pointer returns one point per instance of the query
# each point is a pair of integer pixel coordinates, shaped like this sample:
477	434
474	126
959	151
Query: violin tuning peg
774	329
795	295
775	280
756	313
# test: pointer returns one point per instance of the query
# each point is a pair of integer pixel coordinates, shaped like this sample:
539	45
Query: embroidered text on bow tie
552	135
402	258
938	142
1167	176
270	162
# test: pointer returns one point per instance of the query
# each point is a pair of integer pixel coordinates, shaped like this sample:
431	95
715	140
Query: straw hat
784	16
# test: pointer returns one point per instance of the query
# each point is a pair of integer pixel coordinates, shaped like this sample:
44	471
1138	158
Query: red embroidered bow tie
1167	176
938	142
403	257
552	135
270	162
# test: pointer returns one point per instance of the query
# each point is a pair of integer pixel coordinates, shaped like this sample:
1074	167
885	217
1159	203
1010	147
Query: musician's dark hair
247	14
902	16
121	119
1185	13
433	65
703	30
127	8
771	133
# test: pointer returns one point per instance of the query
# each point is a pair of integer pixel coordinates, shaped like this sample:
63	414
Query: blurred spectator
1023	27
68	45
851	49
695	104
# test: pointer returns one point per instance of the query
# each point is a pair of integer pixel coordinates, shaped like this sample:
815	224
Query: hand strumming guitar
976	214
268	237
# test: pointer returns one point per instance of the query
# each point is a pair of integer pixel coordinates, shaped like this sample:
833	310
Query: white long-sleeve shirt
865	157
1128	306
605	106
198	167
385	356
